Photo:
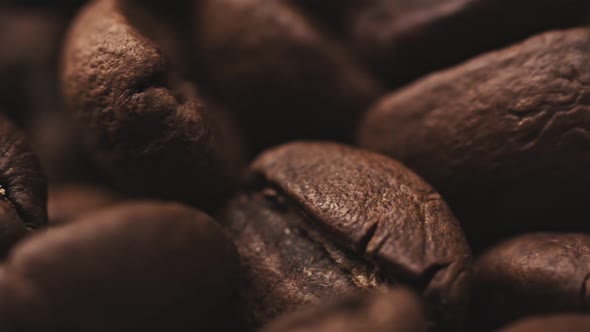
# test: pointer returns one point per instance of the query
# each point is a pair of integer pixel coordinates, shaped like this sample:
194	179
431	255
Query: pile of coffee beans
294	165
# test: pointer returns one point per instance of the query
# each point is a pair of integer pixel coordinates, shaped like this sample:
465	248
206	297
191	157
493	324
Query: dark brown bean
532	274
140	266
328	219
404	39
274	67
23	188
558	323
397	310
504	137
147	128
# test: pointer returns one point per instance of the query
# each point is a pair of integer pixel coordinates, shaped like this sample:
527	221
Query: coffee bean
23	188
327	219
405	39
397	310
140	266
278	70
504	137
69	202
558	323
146	127
532	274
320	236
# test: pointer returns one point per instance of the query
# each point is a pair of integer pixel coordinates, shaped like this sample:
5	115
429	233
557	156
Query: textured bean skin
23	203
148	129
21	176
557	323
532	274
327	219
501	137
141	266
397	310
290	80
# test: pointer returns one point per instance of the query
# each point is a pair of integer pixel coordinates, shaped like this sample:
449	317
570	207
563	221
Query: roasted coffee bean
279	71
23	188
397	310
557	323
404	39
146	127
326	219
136	267
504	137
166	24
532	274
69	202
